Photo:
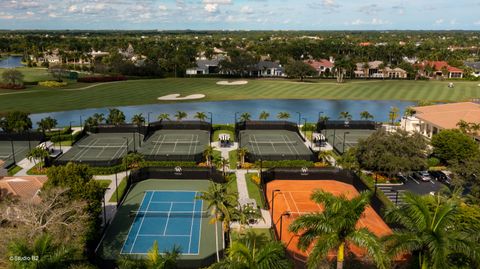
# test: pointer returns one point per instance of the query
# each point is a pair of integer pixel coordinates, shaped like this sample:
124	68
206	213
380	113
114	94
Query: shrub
101	79
432	161
52	84
255	179
285	164
12	86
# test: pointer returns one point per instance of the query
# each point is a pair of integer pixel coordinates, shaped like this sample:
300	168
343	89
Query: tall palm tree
115	117
345	115
99	118
208	153
365	115
366	68
335	227
409	111
325	155
474	128
38	154
264	115
245	116
463	126
393	114
429	231
269	256
242	152
201	116
47	124
139	120
164	116
167	260
283	115
180	115
222	203
222	162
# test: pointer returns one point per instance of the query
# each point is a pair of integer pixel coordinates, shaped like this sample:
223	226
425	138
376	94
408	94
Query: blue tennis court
172	218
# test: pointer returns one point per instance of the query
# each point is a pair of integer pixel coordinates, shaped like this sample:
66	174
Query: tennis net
175	142
280	142
173	214
101	147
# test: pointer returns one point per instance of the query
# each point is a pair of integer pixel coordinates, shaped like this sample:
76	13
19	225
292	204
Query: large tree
47	124
12	77
299	69
391	153
428	229
16	122
115	117
454	146
335	228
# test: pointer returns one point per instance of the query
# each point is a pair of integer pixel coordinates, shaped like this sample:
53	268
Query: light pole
211	118
344	135
148	117
59	140
126	159
286	213
236	113
376	180
13	150
71	132
273	200
104	209
320	115
299	117
81	123
305	127
116	187
334	135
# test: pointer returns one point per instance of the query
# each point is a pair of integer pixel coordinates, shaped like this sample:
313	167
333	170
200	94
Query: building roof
25	188
446	116
439	65
317	64
396	69
371	65
268	64
474	65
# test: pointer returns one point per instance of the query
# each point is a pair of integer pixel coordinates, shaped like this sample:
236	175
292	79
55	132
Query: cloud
439	21
477	22
374	21
329	6
399	10
211	8
371	9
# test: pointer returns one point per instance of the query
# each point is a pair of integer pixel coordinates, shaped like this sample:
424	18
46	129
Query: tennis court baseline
172	218
20	148
352	136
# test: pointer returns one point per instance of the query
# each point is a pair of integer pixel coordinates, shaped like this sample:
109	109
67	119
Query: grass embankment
254	191
13	170
233	159
138	92
232	183
122	187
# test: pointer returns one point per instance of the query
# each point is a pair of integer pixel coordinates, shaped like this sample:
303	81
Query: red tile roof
439	65
319	63
25	188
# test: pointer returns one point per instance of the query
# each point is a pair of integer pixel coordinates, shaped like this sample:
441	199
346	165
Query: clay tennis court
294	196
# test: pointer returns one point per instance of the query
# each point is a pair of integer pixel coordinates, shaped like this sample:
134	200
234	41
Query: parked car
441	177
402	177
422	175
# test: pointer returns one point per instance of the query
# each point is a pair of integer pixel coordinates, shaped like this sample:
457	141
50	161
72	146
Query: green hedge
228	127
285	164
121	167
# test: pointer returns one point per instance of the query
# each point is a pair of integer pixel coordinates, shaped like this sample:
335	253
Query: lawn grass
232	183
104	182
267	233
217	132
254	191
32	74
138	92
122	186
13	170
35	170
233	159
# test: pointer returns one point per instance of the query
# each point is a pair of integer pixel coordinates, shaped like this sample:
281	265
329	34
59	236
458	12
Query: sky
241	14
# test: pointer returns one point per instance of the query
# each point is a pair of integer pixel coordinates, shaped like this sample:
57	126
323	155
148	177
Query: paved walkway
110	207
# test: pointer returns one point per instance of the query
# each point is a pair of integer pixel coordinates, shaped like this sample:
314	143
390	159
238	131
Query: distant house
205	67
323	66
475	66
376	69
25	188
439	69
268	69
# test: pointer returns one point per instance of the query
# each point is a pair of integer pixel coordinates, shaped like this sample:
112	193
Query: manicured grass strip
104	182
233	159
254	191
34	170
217	132
13	170
232	183
121	189
138	92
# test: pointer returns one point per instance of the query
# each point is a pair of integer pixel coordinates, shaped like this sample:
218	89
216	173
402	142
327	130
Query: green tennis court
171	215
101	147
20	150
274	145
187	145
352	136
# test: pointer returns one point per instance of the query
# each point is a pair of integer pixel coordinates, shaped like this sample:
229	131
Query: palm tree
222	162
342	67
283	115
365	115
245	116
366	68
208	153
222	203
409	111
168	260
164	116
134	160
463	126
269	256
180	115
50	255
115	117
474	128
38	154
335	227
47	124
393	114
325	155
201	116
264	115
139	120
429	231
345	115
99	118
242	152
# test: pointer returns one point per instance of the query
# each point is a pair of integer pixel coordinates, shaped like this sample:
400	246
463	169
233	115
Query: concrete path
224	151
26	165
110	207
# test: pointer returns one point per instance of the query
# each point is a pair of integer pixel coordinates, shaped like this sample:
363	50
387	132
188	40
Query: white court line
191	226
83	151
293	200
131	226
153	202
286	202
288	146
159	145
161	235
141	224
121	148
168	219
200	228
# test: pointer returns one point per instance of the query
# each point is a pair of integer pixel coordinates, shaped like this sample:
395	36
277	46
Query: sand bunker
176	96
231	83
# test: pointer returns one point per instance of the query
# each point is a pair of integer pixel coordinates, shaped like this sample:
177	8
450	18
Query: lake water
224	111
11	62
